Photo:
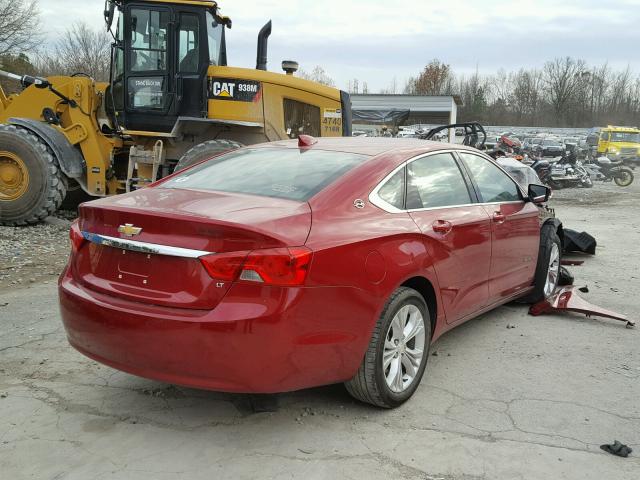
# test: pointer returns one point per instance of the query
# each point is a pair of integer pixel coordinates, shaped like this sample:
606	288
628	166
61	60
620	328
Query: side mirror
538	193
109	13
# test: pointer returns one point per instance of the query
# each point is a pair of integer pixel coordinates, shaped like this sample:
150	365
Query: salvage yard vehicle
171	101
549	147
217	278
604	169
565	172
619	143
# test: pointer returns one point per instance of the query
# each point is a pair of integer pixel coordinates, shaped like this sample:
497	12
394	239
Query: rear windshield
270	172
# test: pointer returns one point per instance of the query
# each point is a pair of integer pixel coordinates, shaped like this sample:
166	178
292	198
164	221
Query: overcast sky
376	40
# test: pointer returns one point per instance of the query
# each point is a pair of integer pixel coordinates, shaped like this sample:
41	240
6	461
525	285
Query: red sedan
290	265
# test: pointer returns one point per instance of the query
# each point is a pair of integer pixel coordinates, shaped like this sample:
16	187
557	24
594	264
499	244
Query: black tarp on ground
579	242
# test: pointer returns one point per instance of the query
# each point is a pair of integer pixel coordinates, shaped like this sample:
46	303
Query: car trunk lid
145	246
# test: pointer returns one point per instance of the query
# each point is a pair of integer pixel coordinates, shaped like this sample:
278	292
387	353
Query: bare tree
392	89
566	92
562	77
19	26
526	96
80	50
410	86
318	75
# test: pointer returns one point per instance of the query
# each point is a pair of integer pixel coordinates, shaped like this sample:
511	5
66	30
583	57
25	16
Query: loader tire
32	186
75	196
206	150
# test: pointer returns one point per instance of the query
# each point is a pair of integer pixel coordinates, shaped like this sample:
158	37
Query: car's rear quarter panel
366	248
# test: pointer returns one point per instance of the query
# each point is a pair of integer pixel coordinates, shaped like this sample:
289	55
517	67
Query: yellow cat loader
171	101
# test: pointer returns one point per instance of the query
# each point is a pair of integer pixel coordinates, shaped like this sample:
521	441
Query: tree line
564	92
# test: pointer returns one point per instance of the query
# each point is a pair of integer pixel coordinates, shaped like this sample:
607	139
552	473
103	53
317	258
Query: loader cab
160	61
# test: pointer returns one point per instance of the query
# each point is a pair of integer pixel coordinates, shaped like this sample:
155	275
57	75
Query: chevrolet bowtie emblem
128	230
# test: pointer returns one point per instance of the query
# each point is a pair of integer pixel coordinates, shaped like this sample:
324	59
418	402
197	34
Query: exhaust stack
263	39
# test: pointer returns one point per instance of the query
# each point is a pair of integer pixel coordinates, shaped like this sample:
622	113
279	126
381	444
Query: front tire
547	275
204	151
32	186
396	358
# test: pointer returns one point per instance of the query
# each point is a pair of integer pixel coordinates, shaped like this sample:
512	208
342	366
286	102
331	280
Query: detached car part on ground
218	279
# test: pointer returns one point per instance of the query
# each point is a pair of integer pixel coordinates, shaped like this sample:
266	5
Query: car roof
372	146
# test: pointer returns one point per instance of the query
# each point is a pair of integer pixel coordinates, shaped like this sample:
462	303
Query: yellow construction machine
171	101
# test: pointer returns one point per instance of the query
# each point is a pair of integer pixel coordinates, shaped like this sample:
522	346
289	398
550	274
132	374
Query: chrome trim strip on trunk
143	247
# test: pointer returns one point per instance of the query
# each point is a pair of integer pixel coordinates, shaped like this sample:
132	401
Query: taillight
224	266
277	266
76	237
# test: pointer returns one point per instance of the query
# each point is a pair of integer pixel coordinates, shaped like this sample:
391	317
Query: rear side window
392	191
270	172
493	183
435	181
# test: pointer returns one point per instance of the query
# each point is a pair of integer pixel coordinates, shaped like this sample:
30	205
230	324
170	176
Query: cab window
148	40
494	184
214	34
189	44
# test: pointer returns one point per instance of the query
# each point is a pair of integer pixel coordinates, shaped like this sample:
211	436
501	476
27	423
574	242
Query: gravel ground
505	396
36	253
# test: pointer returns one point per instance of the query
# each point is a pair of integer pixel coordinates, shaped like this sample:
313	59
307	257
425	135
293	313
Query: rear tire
206	150
390	350
32	186
623	177
547	275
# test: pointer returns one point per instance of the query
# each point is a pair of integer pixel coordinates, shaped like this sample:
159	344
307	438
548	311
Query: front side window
148	40
270	172
435	181
189	44
214	33
493	183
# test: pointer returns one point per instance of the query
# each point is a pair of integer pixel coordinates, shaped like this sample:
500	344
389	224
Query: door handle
179	87
499	217
442	226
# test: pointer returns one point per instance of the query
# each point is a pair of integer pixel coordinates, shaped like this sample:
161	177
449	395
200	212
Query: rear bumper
257	340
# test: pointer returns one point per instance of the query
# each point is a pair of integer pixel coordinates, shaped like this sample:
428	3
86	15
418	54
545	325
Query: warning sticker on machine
234	90
332	113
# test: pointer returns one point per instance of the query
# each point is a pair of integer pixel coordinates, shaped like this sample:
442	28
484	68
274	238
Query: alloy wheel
553	272
403	348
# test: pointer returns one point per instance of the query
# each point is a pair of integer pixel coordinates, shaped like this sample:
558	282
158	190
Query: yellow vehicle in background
172	100
618	143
